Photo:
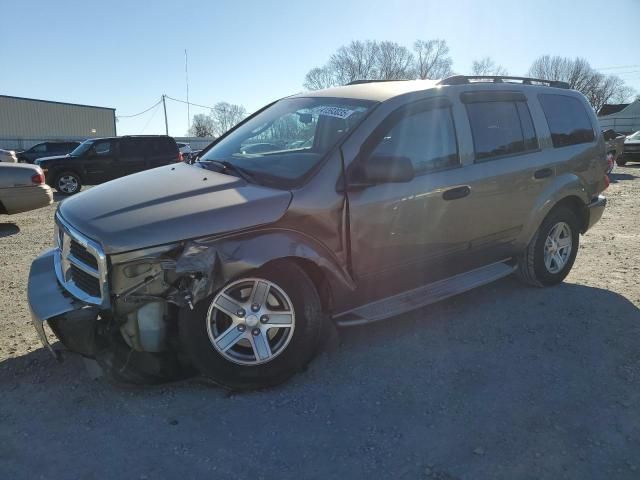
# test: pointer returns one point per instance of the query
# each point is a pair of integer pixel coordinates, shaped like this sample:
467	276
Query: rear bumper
23	199
596	209
72	320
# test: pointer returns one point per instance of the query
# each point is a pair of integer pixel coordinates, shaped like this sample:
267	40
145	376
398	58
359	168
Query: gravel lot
506	381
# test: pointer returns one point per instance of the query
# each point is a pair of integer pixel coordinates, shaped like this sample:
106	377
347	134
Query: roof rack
467	79
360	82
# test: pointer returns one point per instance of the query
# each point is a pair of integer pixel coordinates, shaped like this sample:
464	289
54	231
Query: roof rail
360	82
467	79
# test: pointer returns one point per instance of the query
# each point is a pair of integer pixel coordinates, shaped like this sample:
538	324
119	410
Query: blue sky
126	54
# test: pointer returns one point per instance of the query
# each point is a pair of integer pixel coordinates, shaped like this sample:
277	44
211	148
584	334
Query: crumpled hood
169	204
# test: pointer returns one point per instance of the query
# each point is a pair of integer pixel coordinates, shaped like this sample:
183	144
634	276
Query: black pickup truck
101	159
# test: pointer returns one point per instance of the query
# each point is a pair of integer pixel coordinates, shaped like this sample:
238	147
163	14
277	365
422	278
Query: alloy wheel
68	184
557	247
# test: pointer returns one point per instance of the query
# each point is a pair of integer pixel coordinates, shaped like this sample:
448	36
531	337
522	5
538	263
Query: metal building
26	121
623	118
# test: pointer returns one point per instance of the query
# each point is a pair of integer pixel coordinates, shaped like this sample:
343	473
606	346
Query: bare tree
320	77
486	66
201	126
356	61
394	62
225	116
432	59
597	87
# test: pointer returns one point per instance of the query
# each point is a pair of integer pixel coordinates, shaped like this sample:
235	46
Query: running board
425	295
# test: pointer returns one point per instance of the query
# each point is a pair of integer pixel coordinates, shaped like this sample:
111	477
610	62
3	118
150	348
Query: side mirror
384	169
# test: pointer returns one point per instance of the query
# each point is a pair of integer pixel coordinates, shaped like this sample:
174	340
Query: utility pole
186	74
164	105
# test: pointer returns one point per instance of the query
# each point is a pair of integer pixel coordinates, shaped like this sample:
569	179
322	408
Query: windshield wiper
228	167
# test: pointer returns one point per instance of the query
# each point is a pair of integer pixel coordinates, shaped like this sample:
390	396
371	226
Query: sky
126	54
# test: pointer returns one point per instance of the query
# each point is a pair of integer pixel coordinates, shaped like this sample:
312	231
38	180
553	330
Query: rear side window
426	137
133	147
501	128
568	120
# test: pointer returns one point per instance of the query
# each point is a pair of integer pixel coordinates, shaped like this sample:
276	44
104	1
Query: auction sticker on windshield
337	112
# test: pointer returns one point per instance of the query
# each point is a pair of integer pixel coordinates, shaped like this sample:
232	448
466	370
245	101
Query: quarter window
568	120
426	137
501	128
102	148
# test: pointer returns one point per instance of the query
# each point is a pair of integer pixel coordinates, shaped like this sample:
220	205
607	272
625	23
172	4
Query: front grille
81	266
82	254
85	281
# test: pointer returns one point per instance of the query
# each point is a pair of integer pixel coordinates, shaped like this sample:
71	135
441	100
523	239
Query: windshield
83	147
634	136
286	140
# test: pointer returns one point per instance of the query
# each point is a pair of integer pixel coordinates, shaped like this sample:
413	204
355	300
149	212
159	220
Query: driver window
39	148
426	137
102	148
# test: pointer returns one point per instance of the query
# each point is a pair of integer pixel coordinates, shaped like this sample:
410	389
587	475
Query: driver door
100	160
404	235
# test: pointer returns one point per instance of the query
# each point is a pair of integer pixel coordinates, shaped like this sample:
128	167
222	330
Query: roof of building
57	103
609	109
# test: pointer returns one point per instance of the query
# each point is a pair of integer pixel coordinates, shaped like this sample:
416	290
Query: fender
240	253
560	188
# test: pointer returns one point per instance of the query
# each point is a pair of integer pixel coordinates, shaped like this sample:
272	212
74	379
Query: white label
337	112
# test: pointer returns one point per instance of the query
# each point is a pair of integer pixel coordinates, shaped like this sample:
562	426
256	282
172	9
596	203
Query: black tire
57	183
304	343
621	163
531	267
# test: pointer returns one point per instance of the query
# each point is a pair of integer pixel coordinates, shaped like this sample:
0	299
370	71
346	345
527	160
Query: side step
425	295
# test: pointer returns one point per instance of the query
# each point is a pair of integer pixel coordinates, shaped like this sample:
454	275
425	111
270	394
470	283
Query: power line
189	103
151	117
138	114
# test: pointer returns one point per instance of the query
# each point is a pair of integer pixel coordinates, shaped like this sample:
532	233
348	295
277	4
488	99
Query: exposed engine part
146	328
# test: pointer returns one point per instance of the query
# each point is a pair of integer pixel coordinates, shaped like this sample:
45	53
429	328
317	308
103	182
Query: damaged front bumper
73	321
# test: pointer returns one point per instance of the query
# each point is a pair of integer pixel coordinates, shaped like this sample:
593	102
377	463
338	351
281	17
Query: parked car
631	152
22	188
102	159
614	146
46	149
411	192
8	156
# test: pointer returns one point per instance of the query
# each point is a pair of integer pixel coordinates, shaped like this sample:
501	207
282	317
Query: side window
568	120
102	148
426	137
501	128
39	148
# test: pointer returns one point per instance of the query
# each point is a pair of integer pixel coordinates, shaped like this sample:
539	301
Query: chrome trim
63	259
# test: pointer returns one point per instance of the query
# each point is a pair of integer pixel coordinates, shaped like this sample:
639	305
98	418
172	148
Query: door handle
455	193
543	173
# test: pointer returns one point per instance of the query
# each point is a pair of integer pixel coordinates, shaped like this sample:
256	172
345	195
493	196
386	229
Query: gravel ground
506	381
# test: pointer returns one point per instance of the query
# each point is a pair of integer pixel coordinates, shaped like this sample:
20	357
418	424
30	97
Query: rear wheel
552	251
68	183
257	331
620	162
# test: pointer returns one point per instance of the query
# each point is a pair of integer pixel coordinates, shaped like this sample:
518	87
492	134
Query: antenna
186	74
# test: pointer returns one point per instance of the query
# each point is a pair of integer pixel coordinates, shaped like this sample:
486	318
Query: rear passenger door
506	174
163	151
133	152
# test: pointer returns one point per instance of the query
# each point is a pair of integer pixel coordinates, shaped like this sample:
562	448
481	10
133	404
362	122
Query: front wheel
552	251
68	183
257	331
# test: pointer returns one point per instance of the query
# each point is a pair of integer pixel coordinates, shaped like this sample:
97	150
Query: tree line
426	59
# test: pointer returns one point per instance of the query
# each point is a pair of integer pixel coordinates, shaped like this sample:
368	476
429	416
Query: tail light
38	178
180	157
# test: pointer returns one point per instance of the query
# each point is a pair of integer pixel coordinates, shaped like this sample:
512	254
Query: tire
292	348
621	163
68	183
532	268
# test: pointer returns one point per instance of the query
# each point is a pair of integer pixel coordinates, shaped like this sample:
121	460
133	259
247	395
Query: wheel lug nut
240	313
241	328
255	307
255	332
264	319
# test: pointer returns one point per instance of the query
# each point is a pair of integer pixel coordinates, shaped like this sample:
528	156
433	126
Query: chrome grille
81	265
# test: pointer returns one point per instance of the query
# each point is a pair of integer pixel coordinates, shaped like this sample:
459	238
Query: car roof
377	91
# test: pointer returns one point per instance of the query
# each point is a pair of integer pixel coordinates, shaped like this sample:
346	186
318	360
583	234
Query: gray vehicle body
195	230
18	192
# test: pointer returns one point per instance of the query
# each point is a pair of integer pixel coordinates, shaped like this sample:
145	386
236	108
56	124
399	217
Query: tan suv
347	205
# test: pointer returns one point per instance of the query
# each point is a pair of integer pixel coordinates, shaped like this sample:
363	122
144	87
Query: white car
22	188
8	156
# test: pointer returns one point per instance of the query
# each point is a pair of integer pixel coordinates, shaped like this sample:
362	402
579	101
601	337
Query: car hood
53	158
632	142
170	204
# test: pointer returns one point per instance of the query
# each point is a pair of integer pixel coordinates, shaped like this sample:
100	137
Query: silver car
8	156
369	201
22	188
